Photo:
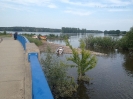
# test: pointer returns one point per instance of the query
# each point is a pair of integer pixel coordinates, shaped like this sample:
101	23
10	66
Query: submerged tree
84	62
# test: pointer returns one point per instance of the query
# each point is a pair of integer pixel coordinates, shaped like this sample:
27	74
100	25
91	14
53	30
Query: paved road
12	70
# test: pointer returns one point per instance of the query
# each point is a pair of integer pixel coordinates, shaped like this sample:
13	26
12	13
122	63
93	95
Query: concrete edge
30	48
28	80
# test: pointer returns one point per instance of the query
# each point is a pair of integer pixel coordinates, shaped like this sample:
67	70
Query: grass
5	35
33	40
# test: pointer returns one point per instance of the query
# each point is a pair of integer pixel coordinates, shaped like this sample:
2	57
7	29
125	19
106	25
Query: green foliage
77	30
29	29
126	42
4	33
55	71
53	36
115	32
83	63
36	41
104	42
28	35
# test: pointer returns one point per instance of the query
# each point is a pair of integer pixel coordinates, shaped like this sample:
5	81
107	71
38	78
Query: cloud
85	4
101	3
52	6
119	10
8	6
14	4
78	12
28	2
120	2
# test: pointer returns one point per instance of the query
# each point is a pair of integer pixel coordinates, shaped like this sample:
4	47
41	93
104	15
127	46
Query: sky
89	14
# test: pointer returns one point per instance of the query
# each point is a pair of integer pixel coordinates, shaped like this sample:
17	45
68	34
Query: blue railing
40	87
23	40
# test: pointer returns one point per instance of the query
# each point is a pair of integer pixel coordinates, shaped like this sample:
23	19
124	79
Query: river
112	78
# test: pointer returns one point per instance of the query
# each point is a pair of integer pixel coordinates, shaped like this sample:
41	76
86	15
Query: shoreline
67	50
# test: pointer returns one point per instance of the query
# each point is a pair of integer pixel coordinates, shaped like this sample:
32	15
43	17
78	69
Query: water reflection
128	59
128	63
82	91
111	78
110	81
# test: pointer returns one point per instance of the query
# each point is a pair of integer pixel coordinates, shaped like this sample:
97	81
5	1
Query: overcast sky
89	14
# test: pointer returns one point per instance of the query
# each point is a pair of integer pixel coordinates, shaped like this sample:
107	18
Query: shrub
104	42
126	42
36	41
55	71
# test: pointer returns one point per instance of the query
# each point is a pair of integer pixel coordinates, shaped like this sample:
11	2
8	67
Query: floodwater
112	78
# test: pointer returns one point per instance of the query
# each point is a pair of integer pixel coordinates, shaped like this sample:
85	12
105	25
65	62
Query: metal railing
23	40
40	87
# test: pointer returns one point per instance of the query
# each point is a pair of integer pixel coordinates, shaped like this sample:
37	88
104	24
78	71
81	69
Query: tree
118	32
4	32
84	62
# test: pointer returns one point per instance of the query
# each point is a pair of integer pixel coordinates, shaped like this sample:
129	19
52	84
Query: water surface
112	78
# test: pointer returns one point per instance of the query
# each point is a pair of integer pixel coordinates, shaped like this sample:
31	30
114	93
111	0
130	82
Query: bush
36	41
53	36
126	42
104	42
55	71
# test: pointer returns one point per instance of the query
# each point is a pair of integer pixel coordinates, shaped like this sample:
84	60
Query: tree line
29	29
77	30
63	30
118	32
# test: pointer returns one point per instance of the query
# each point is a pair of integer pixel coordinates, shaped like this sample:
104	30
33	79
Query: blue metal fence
40	87
23	40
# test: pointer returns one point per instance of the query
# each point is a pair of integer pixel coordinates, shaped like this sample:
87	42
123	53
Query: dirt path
67	50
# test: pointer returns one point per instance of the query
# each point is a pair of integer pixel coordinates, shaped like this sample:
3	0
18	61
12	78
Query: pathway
14	83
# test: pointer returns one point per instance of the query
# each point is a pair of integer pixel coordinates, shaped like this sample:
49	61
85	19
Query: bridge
21	75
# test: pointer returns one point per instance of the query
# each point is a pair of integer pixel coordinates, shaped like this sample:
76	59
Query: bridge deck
12	70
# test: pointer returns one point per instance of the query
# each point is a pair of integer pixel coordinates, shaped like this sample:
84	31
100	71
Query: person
15	35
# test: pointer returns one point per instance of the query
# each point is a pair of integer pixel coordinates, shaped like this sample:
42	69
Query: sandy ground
67	50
